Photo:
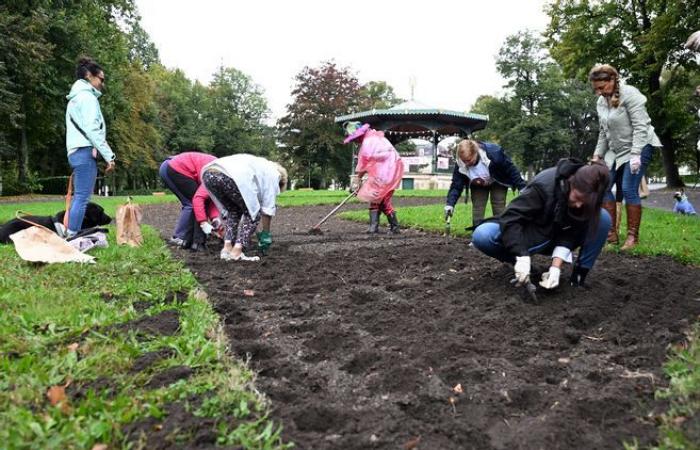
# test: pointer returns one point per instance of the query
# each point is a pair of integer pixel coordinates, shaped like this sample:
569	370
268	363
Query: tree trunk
668	152
0	176
23	162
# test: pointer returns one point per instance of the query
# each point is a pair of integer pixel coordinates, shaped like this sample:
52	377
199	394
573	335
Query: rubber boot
393	223
373	221
611	208
634	219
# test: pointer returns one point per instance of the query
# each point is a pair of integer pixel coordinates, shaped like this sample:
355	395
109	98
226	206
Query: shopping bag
129	224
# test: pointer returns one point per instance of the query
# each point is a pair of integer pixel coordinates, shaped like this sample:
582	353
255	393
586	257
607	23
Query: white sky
449	47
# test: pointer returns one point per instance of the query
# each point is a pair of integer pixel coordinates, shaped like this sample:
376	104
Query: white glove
635	164
449	210
206	227
355	183
550	279
522	270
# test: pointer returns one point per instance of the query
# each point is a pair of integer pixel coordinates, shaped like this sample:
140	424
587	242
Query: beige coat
624	130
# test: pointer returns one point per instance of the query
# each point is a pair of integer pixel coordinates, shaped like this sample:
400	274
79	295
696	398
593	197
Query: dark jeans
184	188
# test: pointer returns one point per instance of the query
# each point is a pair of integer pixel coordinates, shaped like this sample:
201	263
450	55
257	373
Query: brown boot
634	219
611	208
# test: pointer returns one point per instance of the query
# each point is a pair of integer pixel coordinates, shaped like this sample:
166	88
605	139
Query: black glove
578	276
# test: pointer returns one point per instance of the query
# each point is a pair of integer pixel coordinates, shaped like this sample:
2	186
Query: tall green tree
641	38
312	142
236	113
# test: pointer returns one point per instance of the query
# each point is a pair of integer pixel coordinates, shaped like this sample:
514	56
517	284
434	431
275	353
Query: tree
236	111
312	141
641	38
377	95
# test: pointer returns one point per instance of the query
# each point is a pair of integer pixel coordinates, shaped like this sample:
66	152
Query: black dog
94	216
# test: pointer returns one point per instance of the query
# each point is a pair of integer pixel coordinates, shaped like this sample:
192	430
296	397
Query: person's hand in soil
206	228
522	270
550	279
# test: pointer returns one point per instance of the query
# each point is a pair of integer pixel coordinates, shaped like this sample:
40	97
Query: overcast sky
449	47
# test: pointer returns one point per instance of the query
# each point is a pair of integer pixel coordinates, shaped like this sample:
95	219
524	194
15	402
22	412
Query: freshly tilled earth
419	341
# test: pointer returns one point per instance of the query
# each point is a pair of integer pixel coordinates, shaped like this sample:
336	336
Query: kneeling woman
245	188
558	211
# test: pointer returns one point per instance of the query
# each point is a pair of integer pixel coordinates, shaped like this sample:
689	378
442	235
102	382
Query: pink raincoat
383	165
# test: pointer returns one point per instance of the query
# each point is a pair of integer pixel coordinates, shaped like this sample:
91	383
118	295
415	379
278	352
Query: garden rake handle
352	194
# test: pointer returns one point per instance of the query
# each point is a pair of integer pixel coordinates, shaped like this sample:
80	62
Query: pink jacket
383	165
190	165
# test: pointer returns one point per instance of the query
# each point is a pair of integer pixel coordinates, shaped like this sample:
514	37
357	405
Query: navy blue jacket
501	169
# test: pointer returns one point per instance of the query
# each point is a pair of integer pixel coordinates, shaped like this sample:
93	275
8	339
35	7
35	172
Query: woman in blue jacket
488	171
86	136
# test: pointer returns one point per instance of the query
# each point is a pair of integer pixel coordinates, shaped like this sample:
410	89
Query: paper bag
129	224
41	245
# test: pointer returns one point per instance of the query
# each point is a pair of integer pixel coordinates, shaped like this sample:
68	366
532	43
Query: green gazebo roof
414	119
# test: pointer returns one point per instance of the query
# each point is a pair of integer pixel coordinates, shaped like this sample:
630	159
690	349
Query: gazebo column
435	151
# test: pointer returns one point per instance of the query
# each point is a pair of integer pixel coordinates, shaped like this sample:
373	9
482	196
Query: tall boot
611	208
393	223
373	221
634	219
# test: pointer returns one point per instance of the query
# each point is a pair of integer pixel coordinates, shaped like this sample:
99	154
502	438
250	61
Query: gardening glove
522	270
264	241
635	164
550	279
578	276
206	228
355	183
449	210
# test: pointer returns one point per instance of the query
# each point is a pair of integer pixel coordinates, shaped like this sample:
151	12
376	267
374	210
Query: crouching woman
558	212
245	188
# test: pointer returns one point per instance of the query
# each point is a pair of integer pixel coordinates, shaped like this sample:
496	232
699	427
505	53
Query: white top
257	180
478	170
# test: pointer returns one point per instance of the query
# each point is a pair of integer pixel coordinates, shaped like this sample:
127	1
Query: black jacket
501	169
541	212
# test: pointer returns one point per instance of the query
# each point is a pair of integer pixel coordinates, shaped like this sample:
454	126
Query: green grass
46	308
49	208
322	197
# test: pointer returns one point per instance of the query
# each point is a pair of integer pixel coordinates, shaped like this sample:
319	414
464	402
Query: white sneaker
226	256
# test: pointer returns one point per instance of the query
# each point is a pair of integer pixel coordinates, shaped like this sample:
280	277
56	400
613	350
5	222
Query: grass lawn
54	334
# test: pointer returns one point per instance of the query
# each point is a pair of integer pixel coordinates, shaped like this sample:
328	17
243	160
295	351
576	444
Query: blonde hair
467	148
283	177
606	72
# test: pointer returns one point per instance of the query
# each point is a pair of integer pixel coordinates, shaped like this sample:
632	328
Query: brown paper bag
129	224
643	188
37	244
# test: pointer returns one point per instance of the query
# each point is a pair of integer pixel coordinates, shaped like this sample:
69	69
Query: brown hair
591	181
606	72
466	148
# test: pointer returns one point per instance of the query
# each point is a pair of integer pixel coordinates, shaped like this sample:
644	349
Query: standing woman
626	143
484	168
245	188
86	137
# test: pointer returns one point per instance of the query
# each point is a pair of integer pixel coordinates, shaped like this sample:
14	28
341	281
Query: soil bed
360	342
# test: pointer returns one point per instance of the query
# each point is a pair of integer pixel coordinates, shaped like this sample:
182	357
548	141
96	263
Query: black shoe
373	221
578	276
393	223
198	247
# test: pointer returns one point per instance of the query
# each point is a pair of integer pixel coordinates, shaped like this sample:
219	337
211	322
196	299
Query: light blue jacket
85	110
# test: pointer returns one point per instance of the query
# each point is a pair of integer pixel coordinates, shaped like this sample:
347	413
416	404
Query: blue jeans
487	238
184	222
630	182
84	175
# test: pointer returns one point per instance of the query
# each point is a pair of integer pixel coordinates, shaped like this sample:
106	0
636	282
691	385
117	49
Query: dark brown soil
384	342
166	323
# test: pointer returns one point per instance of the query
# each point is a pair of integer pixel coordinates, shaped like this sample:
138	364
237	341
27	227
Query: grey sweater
624	130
